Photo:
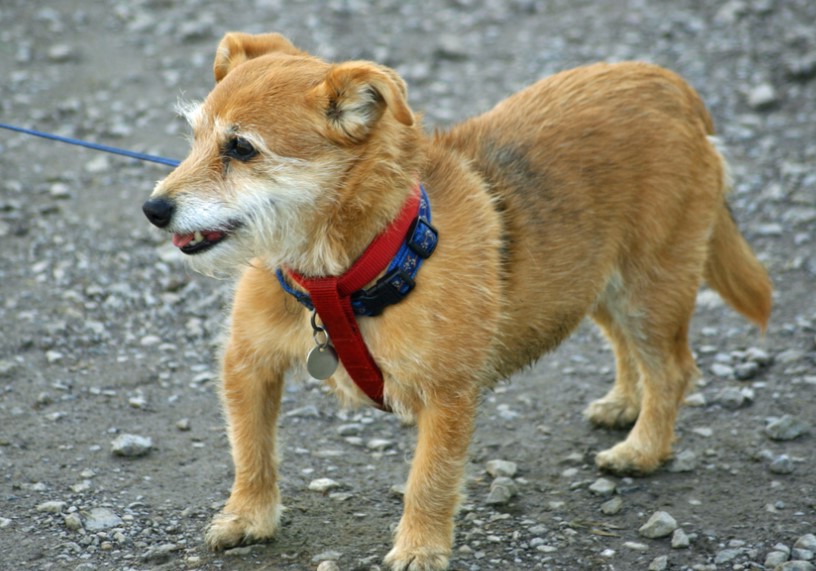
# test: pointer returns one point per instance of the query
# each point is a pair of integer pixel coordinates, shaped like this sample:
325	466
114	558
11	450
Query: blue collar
400	276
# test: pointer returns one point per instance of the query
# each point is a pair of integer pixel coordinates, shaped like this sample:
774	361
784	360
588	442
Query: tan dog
597	191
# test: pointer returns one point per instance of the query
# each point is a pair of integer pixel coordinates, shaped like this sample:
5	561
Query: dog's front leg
252	389
425	533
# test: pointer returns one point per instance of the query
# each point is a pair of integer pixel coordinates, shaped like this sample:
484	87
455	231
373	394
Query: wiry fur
595	192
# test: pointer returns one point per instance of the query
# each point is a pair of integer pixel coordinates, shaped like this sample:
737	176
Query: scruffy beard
275	223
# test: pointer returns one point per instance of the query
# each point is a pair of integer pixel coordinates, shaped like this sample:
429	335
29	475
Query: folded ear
236	48
357	94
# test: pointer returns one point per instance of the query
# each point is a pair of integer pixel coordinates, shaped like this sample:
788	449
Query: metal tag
321	362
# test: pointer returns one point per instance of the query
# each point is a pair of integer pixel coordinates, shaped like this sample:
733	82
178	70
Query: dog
598	191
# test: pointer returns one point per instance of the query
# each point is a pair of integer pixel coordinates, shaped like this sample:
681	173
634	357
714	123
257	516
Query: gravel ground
112	448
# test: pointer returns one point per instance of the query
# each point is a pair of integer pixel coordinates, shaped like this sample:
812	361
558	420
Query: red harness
331	297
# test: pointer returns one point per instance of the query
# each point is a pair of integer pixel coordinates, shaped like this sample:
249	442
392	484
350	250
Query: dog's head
293	160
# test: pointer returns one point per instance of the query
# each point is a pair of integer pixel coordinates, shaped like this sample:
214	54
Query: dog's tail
733	269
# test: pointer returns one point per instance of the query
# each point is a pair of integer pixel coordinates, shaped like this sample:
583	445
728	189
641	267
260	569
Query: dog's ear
357	94
236	48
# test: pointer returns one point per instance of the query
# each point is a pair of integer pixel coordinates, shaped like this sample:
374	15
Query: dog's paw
230	530
419	559
627	459
612	411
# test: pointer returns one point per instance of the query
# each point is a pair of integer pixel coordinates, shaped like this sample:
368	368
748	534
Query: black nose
159	211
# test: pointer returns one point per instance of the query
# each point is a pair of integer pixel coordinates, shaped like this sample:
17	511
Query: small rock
328	566
746	371
733	398
726	555
131	445
801	554
73	521
498	468
61	53
775	558
684	461
696	400
796	566
397	490
183	424
635	546
786	428
53	356
790	356
807	541
60	191
781	465
7	368
158	554
308	411
98	519
679	539
352	429
660	563
762	96
98	164
323	485
327	556
501	490
722	370
52	507
603	487
661	524
613	506
758	356
379	444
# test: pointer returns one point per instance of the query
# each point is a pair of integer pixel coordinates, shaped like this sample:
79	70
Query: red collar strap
331	297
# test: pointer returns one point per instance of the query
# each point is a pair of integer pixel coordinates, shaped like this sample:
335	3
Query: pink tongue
181	240
213	236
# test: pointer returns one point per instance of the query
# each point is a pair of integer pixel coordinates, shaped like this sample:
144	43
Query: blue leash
94	146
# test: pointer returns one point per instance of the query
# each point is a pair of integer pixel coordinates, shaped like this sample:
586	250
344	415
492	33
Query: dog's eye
240	149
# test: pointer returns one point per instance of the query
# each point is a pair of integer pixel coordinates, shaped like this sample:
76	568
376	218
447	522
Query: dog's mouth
201	240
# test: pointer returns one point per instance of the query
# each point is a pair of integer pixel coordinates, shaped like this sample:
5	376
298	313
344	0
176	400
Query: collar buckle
389	290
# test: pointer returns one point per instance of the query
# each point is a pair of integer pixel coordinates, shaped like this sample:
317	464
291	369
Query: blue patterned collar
400	276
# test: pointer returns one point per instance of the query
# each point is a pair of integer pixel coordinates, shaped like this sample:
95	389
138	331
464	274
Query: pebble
775	558
184	424
329	555
603	487
746	371
328	566
786	428
661	524
734	398
680	540
7	368
98	519
501	490
660	563
379	444
807	541
499	468
725	555
73	521
796	566
613	506
781	465
762	96
323	485
131	445
53	507
695	400
722	370
684	461
61	53
636	546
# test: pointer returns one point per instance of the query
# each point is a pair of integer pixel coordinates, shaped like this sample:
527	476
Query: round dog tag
321	362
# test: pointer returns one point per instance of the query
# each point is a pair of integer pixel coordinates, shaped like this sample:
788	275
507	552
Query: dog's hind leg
425	534
655	323
252	394
620	407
